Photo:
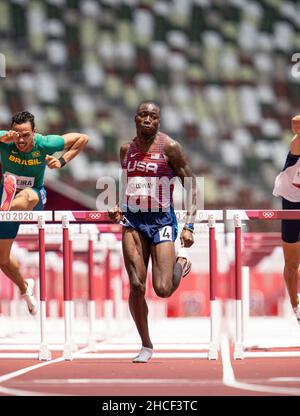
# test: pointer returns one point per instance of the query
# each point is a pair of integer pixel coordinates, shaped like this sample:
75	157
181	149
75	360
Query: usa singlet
149	181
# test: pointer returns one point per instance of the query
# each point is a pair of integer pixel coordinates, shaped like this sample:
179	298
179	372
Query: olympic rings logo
268	214
94	216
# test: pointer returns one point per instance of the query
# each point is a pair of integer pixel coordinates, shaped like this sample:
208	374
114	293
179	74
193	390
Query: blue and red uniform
148	184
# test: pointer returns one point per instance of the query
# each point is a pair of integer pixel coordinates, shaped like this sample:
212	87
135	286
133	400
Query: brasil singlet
29	167
287	183
149	177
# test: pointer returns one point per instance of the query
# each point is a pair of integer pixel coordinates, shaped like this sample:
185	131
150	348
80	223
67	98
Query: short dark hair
148	102
23	117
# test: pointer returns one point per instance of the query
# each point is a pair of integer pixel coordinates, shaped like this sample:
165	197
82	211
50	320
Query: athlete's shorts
10	229
157	227
290	229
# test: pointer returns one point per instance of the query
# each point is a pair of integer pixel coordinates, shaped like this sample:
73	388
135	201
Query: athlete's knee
291	266
162	289
137	287
4	260
31	196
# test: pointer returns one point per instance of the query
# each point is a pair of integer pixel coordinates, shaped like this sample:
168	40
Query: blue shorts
290	229
157	227
10	229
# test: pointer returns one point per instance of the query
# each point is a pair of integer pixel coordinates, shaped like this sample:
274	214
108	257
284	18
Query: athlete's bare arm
123	151
295	143
177	159
9	137
74	143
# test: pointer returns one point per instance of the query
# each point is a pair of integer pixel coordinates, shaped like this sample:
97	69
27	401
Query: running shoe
9	191
297	310
144	355
182	252
29	297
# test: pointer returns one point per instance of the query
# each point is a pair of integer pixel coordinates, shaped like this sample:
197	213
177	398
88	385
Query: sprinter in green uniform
24	157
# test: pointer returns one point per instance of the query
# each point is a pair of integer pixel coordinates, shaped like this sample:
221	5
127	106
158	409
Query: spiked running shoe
29	297
144	355
182	252
9	191
297	310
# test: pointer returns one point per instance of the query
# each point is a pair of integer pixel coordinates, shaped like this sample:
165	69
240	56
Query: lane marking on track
25	370
18	392
130	355
125	381
284	379
229	379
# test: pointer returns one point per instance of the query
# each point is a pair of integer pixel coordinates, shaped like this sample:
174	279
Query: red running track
159	377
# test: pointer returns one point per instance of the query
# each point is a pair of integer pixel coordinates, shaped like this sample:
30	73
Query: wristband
62	162
189	227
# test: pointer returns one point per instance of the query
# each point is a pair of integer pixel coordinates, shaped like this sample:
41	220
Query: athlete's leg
25	200
291	253
166	270
136	254
10	266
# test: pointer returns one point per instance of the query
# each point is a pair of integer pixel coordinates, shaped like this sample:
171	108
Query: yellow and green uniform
29	170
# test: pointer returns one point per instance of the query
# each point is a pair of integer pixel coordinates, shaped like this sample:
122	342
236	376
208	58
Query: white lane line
229	379
130	355
163	347
125	381
285	379
18	392
25	370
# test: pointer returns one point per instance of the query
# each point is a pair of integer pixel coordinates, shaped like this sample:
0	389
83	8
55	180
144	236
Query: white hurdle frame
202	216
29	217
242	281
67	217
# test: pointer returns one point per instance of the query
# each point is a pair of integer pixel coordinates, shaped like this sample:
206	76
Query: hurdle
40	218
65	218
242	279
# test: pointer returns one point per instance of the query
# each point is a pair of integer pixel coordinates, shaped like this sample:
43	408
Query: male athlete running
24	157
287	185
148	218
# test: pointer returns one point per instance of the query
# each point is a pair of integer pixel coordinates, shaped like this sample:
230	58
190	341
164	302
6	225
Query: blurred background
221	71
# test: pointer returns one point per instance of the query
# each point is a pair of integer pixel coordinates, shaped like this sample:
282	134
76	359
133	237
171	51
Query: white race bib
23	181
141	186
296	178
165	233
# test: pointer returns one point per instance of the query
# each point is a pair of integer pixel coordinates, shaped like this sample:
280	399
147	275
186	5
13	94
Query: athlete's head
147	119
23	123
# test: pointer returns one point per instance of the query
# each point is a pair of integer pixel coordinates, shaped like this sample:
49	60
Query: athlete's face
147	120
25	140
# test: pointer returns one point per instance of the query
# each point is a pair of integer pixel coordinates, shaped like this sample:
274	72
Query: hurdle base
238	353
74	346
213	351
44	353
92	344
68	352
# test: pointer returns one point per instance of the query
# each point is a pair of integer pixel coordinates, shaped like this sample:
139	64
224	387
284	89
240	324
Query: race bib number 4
165	233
